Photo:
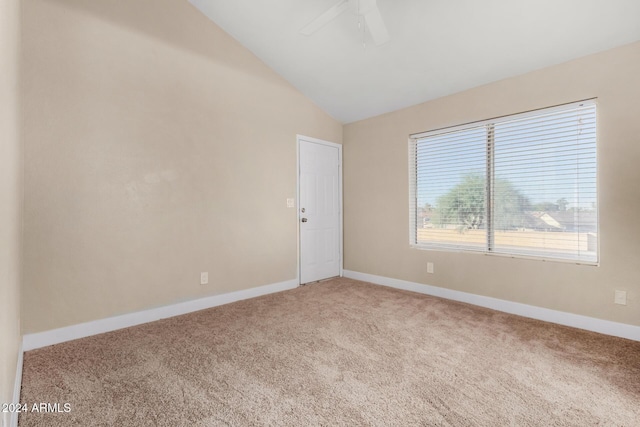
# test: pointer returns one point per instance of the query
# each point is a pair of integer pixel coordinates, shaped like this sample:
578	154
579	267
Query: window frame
490	159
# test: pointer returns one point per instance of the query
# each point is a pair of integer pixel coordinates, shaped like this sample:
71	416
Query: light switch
290	203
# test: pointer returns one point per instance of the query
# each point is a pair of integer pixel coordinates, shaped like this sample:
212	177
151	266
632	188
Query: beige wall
156	147
10	199
376	191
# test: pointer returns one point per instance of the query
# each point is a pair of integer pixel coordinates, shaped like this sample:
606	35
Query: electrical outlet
430	267
204	278
620	297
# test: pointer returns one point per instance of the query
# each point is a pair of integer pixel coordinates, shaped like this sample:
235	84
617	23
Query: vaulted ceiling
436	47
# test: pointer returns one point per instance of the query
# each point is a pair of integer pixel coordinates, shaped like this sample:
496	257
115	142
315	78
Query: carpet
340	352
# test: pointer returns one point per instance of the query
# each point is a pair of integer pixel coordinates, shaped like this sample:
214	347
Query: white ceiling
437	47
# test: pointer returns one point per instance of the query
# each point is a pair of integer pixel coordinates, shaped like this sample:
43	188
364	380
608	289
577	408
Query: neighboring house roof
586	221
563	220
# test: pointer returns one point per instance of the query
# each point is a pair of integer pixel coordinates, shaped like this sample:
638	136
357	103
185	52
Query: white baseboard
17	385
606	327
56	336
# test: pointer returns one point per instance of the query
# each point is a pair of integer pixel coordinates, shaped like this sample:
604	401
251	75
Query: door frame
300	139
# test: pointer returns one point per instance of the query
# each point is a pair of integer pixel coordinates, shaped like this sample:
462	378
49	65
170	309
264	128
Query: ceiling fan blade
325	18
376	26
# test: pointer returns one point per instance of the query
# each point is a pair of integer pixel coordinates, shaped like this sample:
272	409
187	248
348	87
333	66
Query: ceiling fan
366	8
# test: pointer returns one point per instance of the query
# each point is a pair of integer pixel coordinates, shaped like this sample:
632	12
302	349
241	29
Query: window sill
505	255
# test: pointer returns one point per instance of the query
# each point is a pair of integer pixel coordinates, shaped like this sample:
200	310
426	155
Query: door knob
304	219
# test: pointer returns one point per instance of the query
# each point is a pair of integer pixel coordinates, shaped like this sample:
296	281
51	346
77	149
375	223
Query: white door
319	210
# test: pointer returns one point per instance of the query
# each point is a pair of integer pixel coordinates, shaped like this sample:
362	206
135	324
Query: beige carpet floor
343	353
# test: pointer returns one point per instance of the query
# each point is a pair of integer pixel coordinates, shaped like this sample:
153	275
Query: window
520	185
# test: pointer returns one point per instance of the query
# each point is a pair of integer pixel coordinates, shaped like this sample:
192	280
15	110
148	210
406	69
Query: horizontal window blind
522	185
451	189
